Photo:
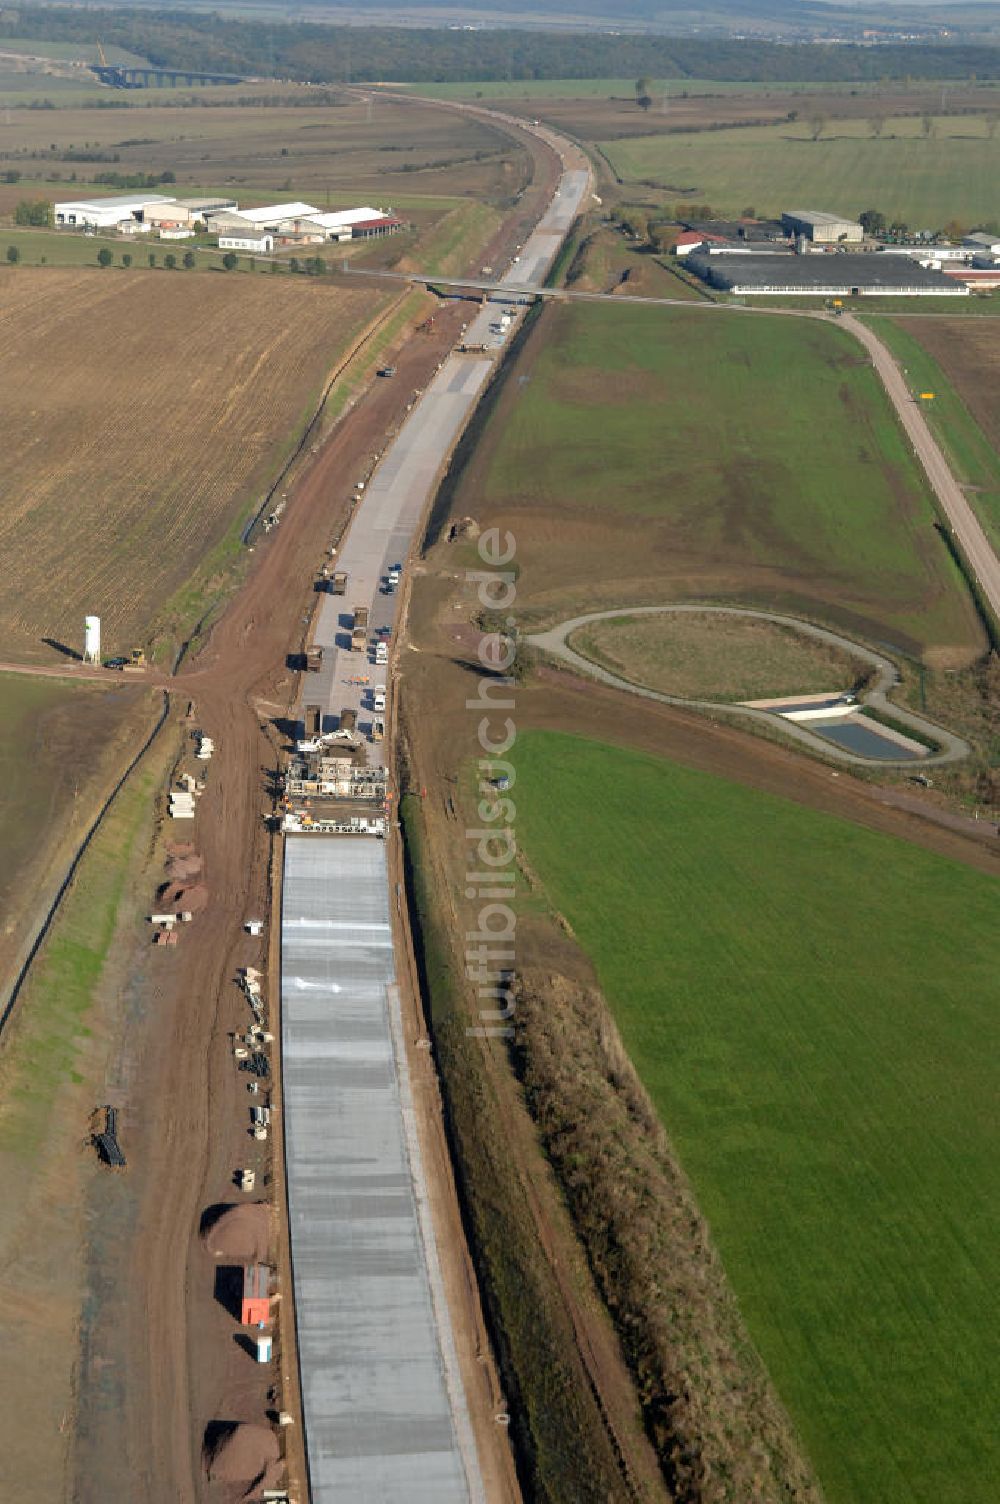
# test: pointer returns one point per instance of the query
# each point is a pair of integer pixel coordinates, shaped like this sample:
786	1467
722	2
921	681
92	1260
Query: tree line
309	52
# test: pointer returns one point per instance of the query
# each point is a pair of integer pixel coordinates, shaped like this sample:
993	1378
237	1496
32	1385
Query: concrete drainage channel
825	724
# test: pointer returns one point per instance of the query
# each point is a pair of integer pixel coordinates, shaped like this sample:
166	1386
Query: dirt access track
162	1365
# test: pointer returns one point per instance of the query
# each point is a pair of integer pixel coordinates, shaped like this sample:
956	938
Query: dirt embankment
718	1428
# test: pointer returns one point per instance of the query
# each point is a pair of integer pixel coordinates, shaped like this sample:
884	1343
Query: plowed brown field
143	413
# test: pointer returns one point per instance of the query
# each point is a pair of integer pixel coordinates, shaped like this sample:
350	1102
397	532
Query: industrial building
260	229
823	228
125	210
982	241
354	224
834	275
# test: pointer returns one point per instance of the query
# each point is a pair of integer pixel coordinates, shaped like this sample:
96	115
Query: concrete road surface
396	497
384	1412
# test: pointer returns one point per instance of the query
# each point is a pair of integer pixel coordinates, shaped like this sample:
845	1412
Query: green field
60	744
59	248
71	51
645	456
788	987
616	88
970	453
716	657
925	182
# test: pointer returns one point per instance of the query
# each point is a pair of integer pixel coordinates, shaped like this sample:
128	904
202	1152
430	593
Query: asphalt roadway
965	525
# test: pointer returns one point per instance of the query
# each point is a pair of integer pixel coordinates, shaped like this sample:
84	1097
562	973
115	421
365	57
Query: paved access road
965	524
555	641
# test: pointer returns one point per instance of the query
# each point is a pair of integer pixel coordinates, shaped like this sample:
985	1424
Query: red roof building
256	1307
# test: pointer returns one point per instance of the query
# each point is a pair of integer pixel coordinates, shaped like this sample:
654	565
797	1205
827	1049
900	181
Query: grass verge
49	1028
786	985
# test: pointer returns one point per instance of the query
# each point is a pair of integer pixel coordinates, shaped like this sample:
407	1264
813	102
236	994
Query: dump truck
378	730
339	585
348	719
314	720
361	616
314	660
359	640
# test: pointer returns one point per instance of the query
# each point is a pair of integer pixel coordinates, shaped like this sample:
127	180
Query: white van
378	701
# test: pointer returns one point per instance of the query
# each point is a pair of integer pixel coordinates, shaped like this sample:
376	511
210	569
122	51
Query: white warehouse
107	213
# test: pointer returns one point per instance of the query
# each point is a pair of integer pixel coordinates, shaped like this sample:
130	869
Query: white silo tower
91	639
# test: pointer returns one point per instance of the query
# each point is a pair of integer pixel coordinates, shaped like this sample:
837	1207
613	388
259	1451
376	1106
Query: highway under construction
384	1410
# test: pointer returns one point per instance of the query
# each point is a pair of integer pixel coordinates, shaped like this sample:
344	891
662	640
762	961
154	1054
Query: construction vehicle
378	730
137	658
247	1179
382	652
314	660
339	586
361	616
359	640
348	719
378	698
314	721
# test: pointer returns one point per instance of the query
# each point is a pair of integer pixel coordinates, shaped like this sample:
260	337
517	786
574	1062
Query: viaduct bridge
123	76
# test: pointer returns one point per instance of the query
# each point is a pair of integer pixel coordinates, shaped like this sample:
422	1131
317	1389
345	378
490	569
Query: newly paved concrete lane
379	1422
398	494
383	1406
382	529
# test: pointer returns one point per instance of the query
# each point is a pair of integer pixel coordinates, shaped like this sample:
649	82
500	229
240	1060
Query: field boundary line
35	942
345	360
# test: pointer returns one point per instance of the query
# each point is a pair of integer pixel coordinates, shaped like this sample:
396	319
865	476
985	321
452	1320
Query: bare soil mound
246	1454
178	896
241	1235
183	864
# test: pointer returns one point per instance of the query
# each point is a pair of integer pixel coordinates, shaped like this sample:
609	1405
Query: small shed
256	1306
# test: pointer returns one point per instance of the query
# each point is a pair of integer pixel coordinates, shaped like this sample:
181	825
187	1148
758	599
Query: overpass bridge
124	76
509	291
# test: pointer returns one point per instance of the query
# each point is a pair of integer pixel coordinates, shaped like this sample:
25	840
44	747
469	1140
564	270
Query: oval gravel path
953	748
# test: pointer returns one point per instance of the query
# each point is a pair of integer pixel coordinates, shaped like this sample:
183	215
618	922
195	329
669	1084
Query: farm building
839	275
980	241
984	278
108	213
261	242
352	224
929	253
823	228
299	224
690	240
274	217
140	209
